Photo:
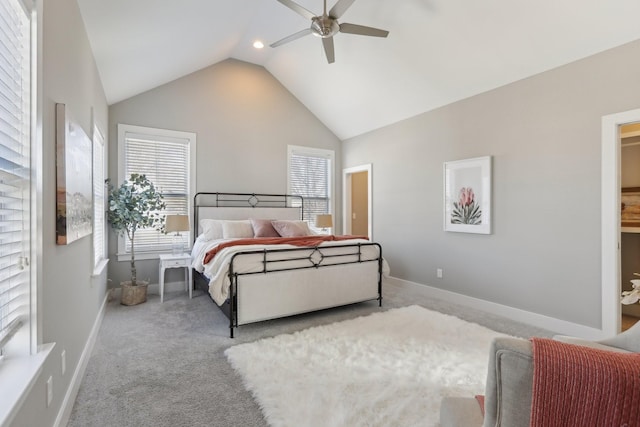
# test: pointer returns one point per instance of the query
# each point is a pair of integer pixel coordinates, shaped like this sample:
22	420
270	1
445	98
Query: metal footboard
289	259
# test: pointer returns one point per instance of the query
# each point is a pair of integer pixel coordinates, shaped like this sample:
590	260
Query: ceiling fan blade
340	8
362	30
328	49
292	37
297	8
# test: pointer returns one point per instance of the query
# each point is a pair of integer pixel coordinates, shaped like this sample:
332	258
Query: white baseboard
561	327
72	392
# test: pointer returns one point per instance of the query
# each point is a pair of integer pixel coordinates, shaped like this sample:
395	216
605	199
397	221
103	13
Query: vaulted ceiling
437	52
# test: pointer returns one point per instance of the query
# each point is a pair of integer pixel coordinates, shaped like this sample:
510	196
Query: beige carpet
163	365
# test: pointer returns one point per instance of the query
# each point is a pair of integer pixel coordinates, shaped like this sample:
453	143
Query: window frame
19	338
322	153
99	258
191	140
22	370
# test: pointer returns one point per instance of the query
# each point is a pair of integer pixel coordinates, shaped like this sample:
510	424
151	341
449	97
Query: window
99	220
311	176
15	176
167	158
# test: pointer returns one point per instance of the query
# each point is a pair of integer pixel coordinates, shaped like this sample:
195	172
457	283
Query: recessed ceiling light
258	44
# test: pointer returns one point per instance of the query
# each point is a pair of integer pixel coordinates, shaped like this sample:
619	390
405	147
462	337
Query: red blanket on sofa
581	386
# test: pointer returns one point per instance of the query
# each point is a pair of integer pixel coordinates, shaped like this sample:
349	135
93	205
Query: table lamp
177	223
324	221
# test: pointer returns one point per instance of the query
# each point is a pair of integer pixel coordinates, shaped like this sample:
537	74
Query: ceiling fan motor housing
324	26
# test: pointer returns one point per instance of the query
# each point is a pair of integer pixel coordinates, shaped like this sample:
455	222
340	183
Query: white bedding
217	269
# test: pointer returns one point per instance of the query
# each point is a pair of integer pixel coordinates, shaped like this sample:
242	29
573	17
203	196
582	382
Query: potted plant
135	204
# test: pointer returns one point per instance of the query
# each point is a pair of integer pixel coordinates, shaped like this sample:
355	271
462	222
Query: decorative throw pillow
237	229
211	229
289	228
263	228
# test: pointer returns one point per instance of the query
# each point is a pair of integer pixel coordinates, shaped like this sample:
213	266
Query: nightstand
175	261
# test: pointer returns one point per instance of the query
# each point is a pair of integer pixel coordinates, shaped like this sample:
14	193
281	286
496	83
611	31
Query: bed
253	275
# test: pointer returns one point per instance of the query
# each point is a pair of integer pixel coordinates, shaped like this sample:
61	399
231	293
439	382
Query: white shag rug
386	369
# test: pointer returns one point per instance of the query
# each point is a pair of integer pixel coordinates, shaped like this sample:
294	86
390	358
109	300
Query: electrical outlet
49	391
439	273
63	361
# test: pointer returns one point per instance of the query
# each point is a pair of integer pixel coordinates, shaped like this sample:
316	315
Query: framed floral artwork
467	195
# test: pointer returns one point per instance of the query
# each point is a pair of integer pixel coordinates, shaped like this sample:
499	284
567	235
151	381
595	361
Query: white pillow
305	227
237	229
211	229
288	228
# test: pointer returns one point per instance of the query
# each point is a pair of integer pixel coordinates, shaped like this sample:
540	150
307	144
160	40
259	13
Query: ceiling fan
326	26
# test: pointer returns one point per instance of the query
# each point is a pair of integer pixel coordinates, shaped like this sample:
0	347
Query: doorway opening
630	217
611	218
357	216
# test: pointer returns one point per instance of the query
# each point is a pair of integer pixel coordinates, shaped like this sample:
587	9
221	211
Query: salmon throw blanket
580	386
296	241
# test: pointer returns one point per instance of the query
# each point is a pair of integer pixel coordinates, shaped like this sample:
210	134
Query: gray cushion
509	382
459	412
628	340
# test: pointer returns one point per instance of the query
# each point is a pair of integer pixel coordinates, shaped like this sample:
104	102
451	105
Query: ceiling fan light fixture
258	44
324	26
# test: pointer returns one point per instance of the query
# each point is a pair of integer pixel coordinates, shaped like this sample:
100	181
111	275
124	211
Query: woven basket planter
133	295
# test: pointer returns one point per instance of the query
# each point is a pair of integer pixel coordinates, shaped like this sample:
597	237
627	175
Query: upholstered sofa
507	399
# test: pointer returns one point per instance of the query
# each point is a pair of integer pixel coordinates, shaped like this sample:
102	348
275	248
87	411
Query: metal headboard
243	200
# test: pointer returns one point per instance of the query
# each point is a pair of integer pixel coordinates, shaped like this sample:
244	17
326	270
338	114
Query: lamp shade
324	221
176	223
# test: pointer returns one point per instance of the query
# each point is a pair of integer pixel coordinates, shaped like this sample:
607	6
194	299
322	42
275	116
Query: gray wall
244	119
544	134
69	299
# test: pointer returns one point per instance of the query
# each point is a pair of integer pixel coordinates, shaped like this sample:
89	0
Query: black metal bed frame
272	259
244	200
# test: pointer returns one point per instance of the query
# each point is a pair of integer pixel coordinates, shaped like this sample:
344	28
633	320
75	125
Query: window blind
99	224
165	161
310	177
15	113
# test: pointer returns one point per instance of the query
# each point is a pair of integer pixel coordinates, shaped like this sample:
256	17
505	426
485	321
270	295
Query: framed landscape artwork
630	207
74	184
467	195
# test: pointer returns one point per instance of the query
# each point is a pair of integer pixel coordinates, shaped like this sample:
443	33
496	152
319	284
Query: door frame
610	213
346	196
